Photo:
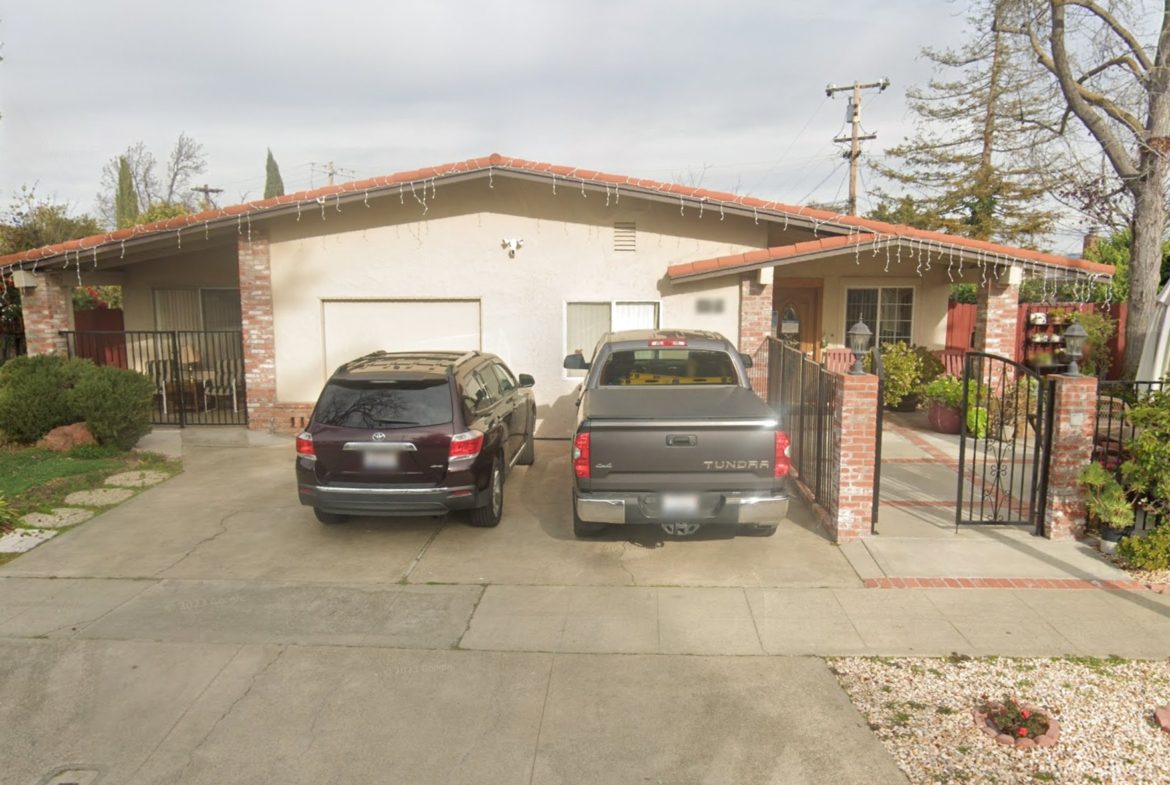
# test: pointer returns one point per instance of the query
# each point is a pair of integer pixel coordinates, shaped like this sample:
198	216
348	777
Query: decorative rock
138	479
1046	741
1162	715
21	540
58	518
1005	739
66	437
101	497
1025	744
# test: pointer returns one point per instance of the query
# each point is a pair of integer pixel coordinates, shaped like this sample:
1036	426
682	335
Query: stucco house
524	259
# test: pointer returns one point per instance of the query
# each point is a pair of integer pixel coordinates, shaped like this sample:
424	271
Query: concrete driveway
211	631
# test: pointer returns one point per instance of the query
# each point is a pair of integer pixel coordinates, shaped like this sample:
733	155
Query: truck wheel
760	530
584	528
328	517
489	514
528	451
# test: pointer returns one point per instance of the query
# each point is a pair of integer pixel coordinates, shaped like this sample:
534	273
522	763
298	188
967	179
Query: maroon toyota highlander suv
416	433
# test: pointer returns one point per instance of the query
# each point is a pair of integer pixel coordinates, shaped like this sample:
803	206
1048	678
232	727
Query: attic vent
625	236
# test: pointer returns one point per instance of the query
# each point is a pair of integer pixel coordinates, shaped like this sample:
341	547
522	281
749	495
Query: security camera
512	245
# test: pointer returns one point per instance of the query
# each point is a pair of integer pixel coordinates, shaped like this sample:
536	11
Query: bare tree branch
1118	29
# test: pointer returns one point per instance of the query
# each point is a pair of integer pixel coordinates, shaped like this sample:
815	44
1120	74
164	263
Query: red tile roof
833	223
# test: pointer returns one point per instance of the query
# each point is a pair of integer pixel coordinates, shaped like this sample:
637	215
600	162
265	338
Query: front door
799	316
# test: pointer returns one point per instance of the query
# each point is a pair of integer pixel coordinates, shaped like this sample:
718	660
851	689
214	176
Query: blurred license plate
380	460
680	504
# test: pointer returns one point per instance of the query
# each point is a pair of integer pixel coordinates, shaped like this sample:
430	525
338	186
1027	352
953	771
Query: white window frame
198	294
578	375
913	307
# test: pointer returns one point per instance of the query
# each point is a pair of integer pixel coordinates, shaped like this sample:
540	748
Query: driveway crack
222	530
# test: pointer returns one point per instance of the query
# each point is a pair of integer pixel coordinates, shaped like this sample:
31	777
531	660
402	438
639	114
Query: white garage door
356	327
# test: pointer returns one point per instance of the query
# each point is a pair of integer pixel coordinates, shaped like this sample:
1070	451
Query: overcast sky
729	95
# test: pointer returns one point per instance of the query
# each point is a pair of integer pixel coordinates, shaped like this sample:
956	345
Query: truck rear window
351	404
667	366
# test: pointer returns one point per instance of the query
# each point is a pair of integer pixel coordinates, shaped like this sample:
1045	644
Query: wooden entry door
798	310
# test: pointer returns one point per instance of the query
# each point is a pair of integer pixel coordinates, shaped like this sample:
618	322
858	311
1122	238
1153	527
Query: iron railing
1113	429
805	396
198	375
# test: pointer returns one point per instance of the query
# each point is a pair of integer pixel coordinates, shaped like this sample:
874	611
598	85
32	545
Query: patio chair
223	383
162	372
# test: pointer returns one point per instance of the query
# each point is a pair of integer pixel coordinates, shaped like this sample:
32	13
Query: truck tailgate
680	439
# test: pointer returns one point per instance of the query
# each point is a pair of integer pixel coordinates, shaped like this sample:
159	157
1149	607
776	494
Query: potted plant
1107	504
945	398
903	368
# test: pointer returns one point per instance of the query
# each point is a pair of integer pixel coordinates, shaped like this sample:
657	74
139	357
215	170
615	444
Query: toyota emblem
379	436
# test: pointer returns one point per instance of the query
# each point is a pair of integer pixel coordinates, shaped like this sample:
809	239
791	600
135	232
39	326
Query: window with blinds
197	309
585	323
886	310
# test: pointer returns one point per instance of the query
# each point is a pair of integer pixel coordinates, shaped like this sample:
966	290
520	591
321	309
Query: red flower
1023	731
1025	714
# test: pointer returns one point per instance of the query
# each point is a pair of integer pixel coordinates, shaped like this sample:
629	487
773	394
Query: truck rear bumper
718	508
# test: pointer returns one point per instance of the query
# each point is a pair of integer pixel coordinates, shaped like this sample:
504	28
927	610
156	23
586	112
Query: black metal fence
805	396
12	345
1113	428
198	375
1005	443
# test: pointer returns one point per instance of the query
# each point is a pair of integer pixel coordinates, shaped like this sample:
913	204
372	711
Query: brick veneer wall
1074	412
854	446
996	317
46	311
755	323
258	336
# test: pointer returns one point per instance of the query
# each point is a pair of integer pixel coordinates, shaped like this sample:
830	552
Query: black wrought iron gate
198	376
1005	444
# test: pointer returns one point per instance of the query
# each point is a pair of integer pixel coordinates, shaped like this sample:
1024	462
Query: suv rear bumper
384	500
714	508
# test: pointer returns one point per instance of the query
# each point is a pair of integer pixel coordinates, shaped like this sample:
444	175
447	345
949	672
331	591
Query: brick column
854	445
755	323
997	314
47	309
1074	412
258	335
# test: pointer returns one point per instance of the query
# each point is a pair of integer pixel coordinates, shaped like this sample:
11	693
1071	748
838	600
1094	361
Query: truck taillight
667	342
781	464
305	445
465	446
581	455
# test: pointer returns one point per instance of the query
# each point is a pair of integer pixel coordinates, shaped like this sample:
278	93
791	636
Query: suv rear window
362	404
667	366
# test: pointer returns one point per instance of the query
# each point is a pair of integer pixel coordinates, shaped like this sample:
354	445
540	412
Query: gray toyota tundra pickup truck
669	432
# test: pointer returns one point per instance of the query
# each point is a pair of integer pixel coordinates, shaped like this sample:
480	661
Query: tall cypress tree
126	199
273	185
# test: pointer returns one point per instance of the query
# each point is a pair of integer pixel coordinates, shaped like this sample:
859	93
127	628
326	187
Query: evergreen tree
273	185
125	200
969	155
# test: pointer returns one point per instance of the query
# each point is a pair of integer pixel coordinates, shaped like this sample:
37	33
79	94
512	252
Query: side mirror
526	380
747	360
576	362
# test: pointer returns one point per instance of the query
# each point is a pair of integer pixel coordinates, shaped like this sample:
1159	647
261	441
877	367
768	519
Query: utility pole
329	170
207	192
856	137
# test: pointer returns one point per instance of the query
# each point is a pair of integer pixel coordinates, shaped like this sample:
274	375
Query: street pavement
211	631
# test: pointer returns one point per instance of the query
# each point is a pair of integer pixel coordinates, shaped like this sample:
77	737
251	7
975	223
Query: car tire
528	451
489	515
584	528
760	529
328	517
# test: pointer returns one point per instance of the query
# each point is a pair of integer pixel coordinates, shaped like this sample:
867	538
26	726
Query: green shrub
903	368
932	367
977	422
1105	498
116	404
945	390
8	518
1146	473
1151	552
35	395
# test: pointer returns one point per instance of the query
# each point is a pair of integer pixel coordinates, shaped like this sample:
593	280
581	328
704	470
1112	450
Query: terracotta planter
943	418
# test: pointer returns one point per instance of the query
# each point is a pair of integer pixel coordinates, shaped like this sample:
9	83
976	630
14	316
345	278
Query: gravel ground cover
921	709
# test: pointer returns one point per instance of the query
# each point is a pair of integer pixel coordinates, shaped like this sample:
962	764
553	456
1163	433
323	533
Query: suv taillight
781	464
305	445
465	446
581	455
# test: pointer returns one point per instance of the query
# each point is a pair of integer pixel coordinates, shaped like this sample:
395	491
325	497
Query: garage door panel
356	327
